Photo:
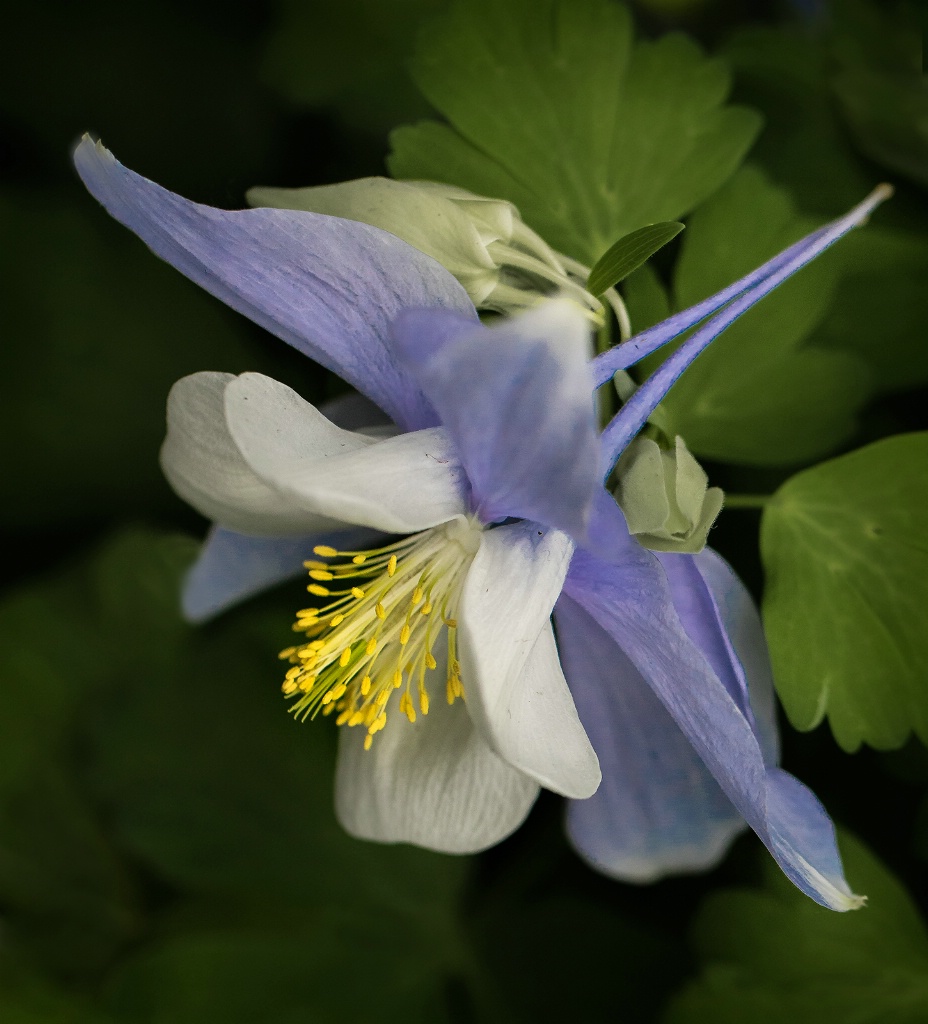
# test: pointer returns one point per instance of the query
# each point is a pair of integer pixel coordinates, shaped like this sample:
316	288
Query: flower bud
664	495
502	264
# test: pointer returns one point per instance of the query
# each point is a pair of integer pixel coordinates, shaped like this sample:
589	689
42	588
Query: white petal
204	466
515	689
399	485
434	783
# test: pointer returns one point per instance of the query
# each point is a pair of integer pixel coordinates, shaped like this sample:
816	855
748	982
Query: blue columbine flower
491	472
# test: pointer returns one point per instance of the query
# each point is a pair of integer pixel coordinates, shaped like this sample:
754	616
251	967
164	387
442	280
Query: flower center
388	609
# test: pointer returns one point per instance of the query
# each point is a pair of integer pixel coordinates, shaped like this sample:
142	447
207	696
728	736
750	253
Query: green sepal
626	255
845	552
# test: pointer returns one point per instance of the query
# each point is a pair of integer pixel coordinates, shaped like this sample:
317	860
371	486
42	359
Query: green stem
747	500
606	397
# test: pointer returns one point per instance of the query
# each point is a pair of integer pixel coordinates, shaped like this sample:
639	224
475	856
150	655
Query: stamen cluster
389	609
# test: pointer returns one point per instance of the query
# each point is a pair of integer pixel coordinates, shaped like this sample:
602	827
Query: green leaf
555	108
880	307
28	998
372	970
880	84
783	72
846	560
627	254
772	955
760	394
350	57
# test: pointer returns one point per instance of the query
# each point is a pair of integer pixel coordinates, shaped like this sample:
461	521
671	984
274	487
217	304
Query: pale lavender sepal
526	433
658	810
329	287
634	414
739	620
630	599
232	567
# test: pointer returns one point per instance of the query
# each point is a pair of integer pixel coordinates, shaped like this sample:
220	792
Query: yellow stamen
365	642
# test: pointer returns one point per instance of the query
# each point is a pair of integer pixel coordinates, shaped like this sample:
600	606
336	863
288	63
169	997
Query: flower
663	651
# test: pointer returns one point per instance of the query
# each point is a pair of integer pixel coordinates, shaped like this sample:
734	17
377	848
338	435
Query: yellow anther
289	687
426	609
337	691
380	611
292	673
391	566
407	708
371	646
404	635
451	623
325	551
371	714
365	686
430	661
423	702
307	684
328	709
397	679
449	692
383	697
359	559
345	657
356	718
315	565
417	595
337	620
368	741
316	645
357	592
344	716
381	721
286	653
328	697
321	574
318	590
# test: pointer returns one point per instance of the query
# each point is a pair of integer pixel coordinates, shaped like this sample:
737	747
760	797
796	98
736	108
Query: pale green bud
664	495
503	265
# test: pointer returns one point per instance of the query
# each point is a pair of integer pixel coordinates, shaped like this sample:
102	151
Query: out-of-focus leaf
350	56
880	83
772	956
27	998
880	306
64	893
371	970
627	254
96	330
168	85
553	107
760	394
558	958
782	71
846	560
